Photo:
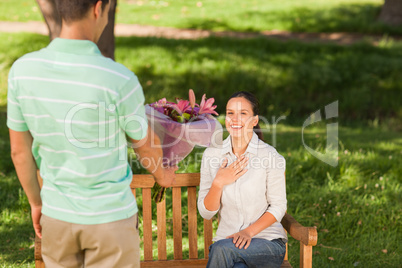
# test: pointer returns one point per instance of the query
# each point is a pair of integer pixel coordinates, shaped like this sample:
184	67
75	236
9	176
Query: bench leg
306	256
39	264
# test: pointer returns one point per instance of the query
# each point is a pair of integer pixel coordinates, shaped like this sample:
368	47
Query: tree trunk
53	22
106	41
51	16
391	12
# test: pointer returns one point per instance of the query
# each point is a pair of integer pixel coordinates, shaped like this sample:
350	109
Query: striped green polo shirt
78	106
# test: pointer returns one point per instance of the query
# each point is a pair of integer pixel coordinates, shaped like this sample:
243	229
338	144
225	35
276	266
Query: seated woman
244	182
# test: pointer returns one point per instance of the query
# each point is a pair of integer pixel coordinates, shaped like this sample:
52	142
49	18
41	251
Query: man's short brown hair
71	10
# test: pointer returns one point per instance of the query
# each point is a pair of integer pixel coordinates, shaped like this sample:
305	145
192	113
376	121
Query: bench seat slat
188	264
176	263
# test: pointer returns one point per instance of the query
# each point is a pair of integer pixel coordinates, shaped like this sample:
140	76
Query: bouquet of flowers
180	126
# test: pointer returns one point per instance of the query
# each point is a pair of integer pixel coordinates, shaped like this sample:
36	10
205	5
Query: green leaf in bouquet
186	116
158	192
180	119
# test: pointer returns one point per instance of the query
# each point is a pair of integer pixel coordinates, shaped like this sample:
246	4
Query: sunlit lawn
236	15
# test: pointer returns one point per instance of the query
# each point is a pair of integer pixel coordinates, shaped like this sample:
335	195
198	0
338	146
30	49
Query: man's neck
78	30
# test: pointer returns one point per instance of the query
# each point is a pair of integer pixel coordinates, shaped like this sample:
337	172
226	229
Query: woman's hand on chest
228	174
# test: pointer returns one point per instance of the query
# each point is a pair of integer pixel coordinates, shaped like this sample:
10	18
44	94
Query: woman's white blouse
261	189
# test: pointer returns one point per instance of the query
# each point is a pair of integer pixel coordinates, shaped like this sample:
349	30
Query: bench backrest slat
181	180
161	224
207	237
192	222
177	223
147	223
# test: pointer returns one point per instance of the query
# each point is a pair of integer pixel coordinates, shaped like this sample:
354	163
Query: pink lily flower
191	97
161	102
181	106
162	105
206	106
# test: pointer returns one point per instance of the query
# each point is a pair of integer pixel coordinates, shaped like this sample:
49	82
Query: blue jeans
261	253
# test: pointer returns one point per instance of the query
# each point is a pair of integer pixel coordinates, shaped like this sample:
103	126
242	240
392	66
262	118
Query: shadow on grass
354	18
288	77
16	231
16	241
6	166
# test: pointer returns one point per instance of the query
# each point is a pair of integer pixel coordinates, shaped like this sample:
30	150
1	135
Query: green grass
236	15
16	236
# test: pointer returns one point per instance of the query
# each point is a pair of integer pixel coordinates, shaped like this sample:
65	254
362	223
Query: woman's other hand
228	174
241	239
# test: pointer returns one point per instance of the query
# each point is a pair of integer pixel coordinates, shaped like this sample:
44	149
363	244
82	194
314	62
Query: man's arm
150	153
21	154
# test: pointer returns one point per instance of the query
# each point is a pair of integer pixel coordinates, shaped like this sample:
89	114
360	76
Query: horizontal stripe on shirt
128	95
135	111
88	105
47	134
71	139
103	155
134	131
77	65
12	102
87	175
64	121
81	197
65	82
84	157
15	120
56	152
90	213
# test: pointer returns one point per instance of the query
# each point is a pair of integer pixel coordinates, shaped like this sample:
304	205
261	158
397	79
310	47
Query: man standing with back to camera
69	111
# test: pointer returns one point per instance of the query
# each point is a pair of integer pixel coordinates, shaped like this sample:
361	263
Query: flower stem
158	193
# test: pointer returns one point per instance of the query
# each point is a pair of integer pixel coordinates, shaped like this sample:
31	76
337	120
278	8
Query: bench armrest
306	235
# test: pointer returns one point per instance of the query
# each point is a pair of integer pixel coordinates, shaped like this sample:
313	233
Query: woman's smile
236	127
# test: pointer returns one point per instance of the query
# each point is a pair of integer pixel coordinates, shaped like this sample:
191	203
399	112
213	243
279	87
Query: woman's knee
222	247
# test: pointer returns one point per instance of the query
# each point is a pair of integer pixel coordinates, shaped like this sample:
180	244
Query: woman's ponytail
258	131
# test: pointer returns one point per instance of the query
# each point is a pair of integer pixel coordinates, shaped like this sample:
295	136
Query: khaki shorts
114	244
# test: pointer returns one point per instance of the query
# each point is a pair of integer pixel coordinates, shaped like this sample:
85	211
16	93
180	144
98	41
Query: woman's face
240	119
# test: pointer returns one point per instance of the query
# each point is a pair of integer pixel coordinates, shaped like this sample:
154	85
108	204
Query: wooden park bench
306	235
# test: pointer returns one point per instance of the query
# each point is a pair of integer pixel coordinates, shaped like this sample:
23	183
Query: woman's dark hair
71	10
255	106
